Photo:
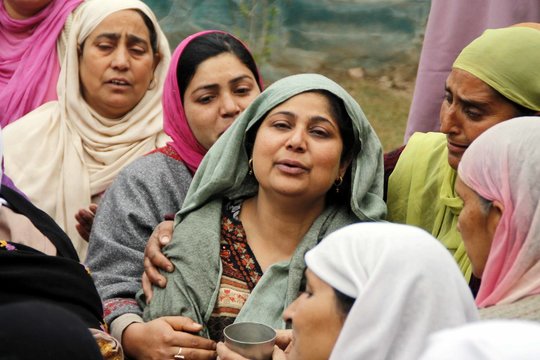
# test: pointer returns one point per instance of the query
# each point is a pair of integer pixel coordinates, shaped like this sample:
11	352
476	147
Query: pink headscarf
504	164
29	64
175	122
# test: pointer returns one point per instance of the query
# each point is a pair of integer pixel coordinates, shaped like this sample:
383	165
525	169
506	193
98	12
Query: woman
301	161
497	180
66	153
465	21
493	79
486	340
39	263
30	34
211	79
374	291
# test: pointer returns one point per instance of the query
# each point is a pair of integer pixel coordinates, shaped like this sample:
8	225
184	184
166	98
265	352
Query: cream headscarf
63	153
405	283
504	164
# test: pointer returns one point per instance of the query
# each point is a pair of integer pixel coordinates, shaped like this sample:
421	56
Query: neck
21	13
281	223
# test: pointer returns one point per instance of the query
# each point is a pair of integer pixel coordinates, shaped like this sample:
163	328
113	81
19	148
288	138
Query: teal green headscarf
492	58
193	288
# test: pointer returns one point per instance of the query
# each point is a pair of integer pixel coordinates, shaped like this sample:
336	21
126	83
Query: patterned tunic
241	272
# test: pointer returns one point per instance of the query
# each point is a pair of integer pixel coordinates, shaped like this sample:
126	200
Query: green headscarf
193	288
498	58
224	169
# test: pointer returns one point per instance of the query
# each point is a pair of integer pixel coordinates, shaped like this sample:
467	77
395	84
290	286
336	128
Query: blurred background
371	47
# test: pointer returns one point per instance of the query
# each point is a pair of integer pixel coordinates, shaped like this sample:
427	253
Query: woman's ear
494	216
345	163
157	59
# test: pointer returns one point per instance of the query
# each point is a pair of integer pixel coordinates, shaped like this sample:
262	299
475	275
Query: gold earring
338	183
250	165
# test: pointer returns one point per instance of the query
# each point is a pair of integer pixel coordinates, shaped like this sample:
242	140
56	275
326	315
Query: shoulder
527	308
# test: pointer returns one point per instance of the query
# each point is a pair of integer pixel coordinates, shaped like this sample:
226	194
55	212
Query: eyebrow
467	102
132	39
214	86
315	118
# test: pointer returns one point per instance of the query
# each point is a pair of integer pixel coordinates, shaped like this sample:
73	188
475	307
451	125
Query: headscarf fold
175	121
486	340
497	58
29	62
503	164
405	283
223	173
63	153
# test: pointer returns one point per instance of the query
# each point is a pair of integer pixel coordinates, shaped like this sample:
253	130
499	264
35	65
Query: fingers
283	338
195	354
278	354
147	288
153	257
225	353
85	220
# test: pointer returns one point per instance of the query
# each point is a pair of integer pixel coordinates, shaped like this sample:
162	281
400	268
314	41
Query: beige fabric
63	153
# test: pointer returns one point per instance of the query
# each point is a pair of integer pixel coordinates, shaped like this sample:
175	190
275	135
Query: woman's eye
281	125
138	50
319	132
205	99
104	46
447	97
472	114
243	90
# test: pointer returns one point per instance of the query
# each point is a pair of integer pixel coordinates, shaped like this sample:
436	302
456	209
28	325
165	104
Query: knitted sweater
137	201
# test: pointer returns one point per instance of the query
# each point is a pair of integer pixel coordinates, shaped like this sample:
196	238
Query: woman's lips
292	167
456	148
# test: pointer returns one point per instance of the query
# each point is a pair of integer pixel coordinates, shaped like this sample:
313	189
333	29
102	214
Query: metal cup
251	340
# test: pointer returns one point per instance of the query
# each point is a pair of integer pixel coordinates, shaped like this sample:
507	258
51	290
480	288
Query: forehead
464	84
122	22
222	67
307	103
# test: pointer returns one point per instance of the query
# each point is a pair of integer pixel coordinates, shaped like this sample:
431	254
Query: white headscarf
405	283
63	153
486	340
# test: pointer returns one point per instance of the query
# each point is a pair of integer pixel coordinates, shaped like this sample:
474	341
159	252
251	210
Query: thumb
183	323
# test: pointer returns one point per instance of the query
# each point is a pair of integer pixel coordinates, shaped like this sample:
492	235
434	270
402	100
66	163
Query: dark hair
520	110
151	29
207	46
350	146
344	303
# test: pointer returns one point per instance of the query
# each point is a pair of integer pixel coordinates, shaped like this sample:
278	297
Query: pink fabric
175	122
29	64
453	24
504	164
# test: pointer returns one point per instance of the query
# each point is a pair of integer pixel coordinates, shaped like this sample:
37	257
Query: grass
386	107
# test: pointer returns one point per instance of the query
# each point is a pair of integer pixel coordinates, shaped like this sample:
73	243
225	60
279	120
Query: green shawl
193	287
421	193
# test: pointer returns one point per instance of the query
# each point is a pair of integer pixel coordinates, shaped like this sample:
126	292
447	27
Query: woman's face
221	88
316	321
22	9
470	107
476	225
298	148
116	64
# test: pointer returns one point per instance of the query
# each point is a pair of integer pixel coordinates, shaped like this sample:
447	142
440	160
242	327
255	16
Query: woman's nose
297	140
448	119
229	106
120	60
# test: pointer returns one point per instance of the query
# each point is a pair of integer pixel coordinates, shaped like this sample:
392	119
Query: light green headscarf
193	287
498	59
421	187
